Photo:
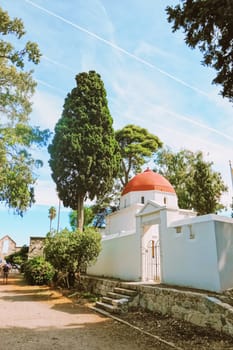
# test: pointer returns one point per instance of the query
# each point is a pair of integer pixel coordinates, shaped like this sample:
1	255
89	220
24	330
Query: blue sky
151	77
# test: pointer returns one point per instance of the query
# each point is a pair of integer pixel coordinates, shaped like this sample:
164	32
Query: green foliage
16	27
17	166
197	186
18	260
18	257
37	271
208	25
84	156
71	252
88	217
106	205
92	298
17	86
208	188
137	146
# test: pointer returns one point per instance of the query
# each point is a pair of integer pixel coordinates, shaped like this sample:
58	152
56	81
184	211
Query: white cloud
47	109
45	193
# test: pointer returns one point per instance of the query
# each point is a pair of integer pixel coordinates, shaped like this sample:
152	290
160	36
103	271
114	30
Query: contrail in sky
199	124
46	58
118	48
146	63
42	82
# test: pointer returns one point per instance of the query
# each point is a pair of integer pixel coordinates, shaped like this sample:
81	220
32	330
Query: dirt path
38	318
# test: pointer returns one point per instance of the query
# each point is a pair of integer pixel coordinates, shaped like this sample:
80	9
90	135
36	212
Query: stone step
114	302
117	301
117	296
128	292
110	301
107	307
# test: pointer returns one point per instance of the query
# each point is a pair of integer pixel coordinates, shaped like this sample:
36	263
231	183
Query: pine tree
84	154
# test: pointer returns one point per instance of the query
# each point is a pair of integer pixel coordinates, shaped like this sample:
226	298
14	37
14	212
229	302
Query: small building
7	247
151	239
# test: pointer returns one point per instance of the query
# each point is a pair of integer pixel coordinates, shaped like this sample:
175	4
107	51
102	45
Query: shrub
71	252
38	271
18	257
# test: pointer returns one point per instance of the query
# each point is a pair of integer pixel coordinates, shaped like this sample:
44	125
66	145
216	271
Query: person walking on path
5	273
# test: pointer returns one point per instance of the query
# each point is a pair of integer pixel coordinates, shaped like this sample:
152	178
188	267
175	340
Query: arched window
164	200
142	199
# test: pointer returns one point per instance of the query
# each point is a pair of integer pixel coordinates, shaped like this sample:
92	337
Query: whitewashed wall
195	252
180	214
162	198
189	258
224	240
123	220
120	258
201	255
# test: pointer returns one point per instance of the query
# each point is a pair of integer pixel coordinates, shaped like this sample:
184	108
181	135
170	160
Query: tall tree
16	135
196	184
84	155
52	215
208	188
208	25
88	217
137	146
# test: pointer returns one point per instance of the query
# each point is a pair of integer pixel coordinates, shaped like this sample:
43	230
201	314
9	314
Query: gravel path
38	318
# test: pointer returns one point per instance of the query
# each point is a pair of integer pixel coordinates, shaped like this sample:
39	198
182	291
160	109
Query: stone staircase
116	302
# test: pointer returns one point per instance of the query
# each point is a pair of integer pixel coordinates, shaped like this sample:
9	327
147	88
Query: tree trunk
80	218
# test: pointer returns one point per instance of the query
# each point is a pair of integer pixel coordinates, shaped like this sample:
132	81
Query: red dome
147	181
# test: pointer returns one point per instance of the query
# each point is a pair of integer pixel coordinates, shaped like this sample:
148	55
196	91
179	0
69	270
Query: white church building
150	239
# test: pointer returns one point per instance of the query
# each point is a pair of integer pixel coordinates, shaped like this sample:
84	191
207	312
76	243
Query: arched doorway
152	261
151	220
151	253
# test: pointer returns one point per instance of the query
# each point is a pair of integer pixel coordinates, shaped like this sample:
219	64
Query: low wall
99	286
119	257
197	308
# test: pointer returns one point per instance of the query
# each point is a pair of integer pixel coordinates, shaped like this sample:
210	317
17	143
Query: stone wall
201	309
36	247
97	285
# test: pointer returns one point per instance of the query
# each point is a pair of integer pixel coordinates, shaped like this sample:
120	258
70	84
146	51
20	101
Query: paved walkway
38	318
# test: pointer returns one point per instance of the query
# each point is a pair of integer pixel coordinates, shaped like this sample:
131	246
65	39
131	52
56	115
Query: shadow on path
40	318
